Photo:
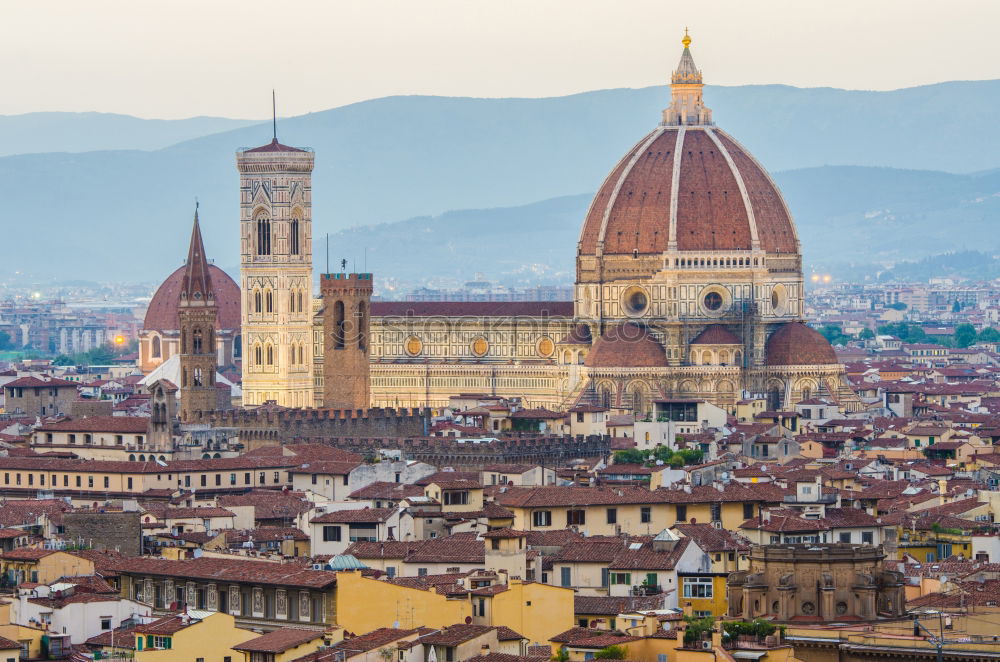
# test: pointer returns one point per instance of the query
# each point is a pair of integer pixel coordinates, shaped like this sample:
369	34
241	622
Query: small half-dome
578	335
795	343
716	334
627	346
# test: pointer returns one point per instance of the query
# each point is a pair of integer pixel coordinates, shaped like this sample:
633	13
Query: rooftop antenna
274	115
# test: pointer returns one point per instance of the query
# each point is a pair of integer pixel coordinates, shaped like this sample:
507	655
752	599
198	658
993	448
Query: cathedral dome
716	334
795	343
161	315
687	186
627	346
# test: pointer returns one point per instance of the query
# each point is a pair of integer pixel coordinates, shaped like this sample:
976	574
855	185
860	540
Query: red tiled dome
627	346
716	334
795	343
634	210
162	312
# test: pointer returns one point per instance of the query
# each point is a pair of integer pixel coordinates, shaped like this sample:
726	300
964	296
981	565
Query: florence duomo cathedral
688	285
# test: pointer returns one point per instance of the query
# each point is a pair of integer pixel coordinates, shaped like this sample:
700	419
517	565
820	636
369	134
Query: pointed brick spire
197	283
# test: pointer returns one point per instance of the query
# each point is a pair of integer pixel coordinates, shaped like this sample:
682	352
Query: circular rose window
713	301
413	346
635	301
808	608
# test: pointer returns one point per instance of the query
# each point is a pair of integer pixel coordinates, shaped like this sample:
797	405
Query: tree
867	334
834	334
899	305
965	335
956	307
697	627
612	652
989	334
62	359
5	340
561	655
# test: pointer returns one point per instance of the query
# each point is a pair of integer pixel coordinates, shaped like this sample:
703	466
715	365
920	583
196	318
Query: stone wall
118	530
268	427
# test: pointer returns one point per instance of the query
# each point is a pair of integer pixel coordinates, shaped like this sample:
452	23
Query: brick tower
346	314
197	316
276	274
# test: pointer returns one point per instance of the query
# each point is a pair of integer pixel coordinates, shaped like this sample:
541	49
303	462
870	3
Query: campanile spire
197	283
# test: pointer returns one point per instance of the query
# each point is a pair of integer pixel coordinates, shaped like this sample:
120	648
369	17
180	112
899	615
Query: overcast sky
181	58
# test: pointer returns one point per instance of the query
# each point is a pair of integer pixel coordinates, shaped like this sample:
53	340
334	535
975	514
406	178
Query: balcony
645	590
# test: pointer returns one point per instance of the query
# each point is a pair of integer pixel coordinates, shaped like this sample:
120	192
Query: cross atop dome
686	105
686	72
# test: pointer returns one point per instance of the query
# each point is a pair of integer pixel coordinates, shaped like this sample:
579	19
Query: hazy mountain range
528	164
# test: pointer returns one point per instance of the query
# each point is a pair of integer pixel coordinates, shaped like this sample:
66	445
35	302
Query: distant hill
125	213
32	133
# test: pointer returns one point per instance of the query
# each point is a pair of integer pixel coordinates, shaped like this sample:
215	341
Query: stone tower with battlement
346	314
197	316
276	274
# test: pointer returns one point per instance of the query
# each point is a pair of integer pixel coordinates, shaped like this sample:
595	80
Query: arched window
263	235
197	377
268	301
154	351
184	377
774	398
638	401
300	301
257	302
605	394
270	355
258	355
338	325
293	237
237	347
302	354
196	341
362	324
291	355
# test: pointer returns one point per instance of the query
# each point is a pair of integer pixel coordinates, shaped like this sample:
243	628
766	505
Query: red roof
131	424
274	146
476	308
35	382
